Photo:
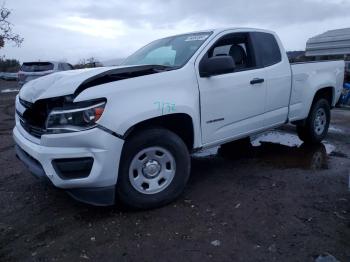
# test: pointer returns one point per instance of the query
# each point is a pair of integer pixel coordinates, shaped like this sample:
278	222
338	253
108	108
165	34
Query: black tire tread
306	130
153	137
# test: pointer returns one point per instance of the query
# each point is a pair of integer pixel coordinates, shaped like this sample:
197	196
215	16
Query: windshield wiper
163	67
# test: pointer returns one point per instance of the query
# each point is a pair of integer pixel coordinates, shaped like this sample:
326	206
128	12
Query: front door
232	104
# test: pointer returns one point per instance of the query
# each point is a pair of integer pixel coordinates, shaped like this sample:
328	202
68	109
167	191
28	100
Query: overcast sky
74	29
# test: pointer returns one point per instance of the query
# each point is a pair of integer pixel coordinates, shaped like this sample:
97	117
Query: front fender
132	101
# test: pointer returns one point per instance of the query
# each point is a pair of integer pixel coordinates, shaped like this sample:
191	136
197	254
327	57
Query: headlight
76	119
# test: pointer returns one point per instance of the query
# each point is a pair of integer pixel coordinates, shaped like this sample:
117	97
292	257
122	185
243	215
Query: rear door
232	104
278	77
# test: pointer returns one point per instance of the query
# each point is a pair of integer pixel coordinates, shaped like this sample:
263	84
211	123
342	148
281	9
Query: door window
238	46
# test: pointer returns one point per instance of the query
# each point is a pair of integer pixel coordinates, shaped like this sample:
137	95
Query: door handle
257	81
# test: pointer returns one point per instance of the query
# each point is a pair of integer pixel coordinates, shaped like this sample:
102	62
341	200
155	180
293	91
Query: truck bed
311	76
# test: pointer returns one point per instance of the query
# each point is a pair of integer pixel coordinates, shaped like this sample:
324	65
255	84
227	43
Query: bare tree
91	60
87	63
6	33
82	62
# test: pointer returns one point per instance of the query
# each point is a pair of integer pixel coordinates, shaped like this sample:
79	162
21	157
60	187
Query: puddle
281	149
10	90
287	139
334	129
338	154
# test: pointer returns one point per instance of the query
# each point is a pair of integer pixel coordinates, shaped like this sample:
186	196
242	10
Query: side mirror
216	65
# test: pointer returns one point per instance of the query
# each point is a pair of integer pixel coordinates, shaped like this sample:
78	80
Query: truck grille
24	103
33	120
33	130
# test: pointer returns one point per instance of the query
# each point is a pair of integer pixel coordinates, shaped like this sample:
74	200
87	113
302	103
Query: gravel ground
277	201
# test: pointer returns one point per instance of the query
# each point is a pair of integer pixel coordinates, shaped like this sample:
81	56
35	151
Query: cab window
238	46
267	48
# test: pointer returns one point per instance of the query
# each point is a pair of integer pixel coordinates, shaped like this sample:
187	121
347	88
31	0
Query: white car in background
8	76
32	70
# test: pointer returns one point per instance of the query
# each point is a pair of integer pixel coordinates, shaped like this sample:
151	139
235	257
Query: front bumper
105	149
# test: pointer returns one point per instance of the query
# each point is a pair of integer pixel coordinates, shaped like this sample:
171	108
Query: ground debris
272	248
216	243
339	216
84	256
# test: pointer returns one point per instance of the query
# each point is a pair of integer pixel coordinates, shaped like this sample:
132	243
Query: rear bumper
97	187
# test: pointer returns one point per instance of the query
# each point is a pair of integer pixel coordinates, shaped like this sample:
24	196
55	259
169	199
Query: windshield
172	51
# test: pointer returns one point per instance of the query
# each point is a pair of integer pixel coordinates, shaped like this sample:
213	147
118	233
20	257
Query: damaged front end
59	115
122	74
51	112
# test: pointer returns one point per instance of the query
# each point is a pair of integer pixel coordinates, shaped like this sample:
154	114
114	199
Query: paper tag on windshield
196	38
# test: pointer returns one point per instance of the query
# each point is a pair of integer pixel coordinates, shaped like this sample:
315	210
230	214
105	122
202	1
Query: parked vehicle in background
347	71
347	66
32	70
344	99
9	76
127	132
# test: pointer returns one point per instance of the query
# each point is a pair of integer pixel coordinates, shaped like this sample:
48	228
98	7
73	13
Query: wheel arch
179	123
327	93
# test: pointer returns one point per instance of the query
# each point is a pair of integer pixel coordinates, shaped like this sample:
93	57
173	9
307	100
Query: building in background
333	44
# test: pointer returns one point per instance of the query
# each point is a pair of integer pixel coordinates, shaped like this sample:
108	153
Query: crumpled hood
75	81
57	84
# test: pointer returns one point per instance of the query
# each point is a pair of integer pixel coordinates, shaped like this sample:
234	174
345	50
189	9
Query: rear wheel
315	128
154	169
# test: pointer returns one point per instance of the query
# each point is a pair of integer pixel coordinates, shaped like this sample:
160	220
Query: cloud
105	29
160	13
64	29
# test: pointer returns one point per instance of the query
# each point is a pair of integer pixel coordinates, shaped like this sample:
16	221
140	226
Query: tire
148	156
315	127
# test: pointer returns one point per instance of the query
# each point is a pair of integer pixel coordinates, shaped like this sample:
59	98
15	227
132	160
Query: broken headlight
74	119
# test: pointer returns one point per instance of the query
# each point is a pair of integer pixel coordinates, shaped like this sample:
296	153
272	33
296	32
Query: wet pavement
271	199
282	149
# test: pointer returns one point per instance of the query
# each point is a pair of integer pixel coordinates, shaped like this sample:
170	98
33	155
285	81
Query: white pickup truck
127	132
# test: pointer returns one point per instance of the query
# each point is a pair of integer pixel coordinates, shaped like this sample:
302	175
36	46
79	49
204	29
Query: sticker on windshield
196	38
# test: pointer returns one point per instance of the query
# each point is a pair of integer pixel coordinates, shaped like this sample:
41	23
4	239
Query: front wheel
154	169
315	128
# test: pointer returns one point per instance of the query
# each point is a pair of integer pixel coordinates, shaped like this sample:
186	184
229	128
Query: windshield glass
172	51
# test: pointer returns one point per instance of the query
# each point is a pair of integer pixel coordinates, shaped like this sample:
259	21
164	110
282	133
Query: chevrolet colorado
127	132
